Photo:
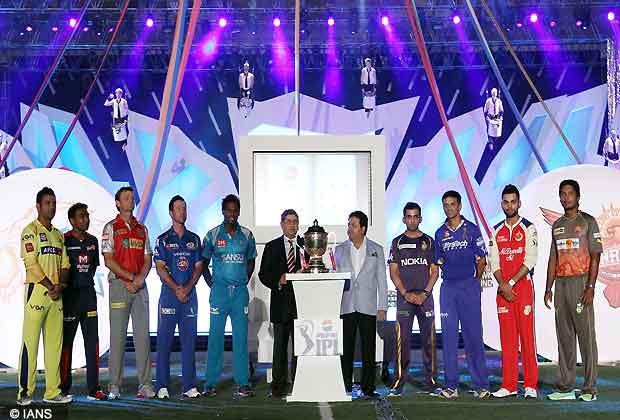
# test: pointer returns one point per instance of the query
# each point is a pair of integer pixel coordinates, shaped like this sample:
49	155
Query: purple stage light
553	23
331	21
222	22
519	24
150	23
54	28
276	22
72	22
28	28
611	16
85	29
534	17
456	19
209	47
385	21
578	23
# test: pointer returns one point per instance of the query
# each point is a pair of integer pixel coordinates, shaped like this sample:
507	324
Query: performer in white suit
494	115
611	150
246	87
120	112
368	80
4	169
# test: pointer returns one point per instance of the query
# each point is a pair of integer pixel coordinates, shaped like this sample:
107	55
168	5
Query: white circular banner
19	197
541	205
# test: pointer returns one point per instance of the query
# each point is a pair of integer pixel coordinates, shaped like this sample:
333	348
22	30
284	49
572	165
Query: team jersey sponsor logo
121	231
132	243
51	250
567	244
221	243
558	231
37	308
191	245
168	311
183	264
455	245
83	259
172	246
91	247
518	236
413	261
407	246
29	247
233	258
510	253
502	310
501	238
446	234
28	237
42	237
527	309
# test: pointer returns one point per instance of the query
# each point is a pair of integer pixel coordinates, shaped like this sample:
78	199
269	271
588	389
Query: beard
511	214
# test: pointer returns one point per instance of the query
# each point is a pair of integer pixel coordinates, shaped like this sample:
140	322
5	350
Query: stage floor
410	406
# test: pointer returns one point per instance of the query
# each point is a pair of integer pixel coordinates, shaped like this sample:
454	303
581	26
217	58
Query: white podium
318	337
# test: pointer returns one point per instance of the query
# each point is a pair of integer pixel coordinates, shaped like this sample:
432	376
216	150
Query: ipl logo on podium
318	337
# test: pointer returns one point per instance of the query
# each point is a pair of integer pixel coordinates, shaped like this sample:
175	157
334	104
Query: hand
410	297
111	96
179	292
506	290
283	280
381	315
588	296
53	293
548	299
131	287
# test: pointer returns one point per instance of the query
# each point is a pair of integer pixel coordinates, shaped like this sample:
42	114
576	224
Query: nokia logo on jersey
450	246
413	261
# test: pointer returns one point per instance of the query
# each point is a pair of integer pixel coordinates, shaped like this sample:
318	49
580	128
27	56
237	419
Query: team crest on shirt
182	264
578	229
446	234
191	245
29	247
42	237
527	309
424	246
221	243
518	236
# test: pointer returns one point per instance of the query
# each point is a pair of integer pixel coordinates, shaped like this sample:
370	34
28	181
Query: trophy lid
315	228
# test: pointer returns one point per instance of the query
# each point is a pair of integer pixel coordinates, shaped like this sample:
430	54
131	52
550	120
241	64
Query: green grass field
410	406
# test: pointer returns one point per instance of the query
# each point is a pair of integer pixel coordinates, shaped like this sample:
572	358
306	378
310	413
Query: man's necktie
118	108
290	259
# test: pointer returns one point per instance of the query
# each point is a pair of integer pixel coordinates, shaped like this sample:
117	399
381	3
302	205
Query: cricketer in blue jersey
178	260
232	250
461	254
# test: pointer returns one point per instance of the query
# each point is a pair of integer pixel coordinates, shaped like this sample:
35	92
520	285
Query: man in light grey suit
364	302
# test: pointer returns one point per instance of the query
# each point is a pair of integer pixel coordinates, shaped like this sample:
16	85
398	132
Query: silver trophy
315	244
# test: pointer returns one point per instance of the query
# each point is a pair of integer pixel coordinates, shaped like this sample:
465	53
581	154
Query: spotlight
553	23
578	23
276	22
54	28
331	21
72	22
149	23
28	28
385	21
222	22
456	19
534	17
85	29
519	25
611	16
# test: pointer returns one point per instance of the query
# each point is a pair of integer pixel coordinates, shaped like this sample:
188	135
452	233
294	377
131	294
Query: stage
411	406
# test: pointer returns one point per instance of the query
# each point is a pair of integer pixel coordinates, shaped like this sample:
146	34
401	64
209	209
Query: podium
318	337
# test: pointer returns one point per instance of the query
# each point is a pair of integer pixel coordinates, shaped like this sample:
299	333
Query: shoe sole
24	404
504	396
562	399
56	402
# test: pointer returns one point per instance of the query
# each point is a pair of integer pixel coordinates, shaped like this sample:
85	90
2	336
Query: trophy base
315	270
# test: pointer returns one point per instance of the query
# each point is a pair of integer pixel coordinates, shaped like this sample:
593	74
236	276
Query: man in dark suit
281	256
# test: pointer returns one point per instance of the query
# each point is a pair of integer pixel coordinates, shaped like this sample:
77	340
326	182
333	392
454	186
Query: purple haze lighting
611	16
72	22
222	22
209	47
385	21
456	19
534	17
331	21
28	28
149	23
276	22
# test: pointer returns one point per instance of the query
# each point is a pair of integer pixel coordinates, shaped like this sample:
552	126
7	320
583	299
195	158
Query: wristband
589	286
548	291
426	292
512	282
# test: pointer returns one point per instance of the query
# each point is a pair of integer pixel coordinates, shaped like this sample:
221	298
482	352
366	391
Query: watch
589	286
427	293
512	282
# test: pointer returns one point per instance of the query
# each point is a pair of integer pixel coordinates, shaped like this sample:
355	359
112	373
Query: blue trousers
228	301
185	315
460	302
